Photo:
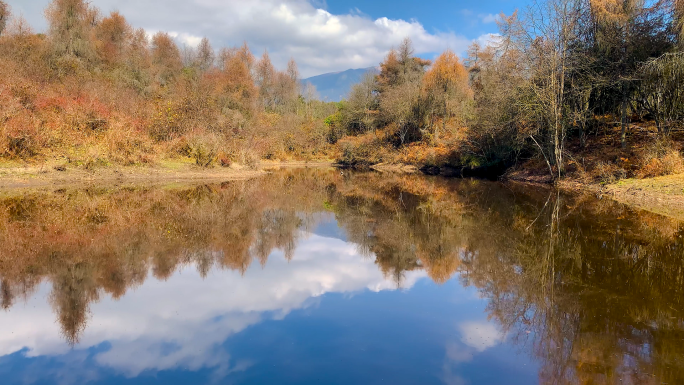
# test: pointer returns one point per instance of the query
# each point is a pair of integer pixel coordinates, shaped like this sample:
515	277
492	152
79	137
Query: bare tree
545	36
4	16
205	56
662	94
679	21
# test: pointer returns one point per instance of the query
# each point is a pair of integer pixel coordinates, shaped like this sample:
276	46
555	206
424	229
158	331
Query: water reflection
159	279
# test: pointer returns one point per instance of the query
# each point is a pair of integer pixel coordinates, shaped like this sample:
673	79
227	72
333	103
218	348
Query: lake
317	276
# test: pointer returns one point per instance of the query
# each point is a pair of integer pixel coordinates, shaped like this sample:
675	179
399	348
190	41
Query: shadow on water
591	289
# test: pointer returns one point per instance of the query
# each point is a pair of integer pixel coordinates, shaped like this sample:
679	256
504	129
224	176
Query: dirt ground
35	176
663	195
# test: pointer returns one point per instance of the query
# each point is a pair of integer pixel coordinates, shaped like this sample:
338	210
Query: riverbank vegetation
94	91
590	89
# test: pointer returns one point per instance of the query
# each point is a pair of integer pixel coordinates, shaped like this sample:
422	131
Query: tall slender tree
166	56
265	79
205	55
70	23
4	16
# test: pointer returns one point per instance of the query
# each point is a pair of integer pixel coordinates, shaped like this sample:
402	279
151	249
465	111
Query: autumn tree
446	86
401	66
70	23
165	57
360	109
265	75
113	34
205	56
4	16
236	89
399	91
243	53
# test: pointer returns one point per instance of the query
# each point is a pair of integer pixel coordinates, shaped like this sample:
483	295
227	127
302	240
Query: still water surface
318	277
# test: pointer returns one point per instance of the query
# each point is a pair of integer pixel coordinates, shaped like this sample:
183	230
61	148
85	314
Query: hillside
335	86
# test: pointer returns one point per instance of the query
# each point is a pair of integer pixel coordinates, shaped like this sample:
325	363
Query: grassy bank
662	195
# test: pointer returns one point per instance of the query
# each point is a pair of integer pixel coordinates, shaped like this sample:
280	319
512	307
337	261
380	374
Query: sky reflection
329	315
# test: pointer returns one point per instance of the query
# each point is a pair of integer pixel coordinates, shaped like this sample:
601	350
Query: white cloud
457	353
188	39
490	39
489	18
480	335
182	321
318	40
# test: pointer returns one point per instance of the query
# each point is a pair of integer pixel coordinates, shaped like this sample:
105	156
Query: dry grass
375	148
662	195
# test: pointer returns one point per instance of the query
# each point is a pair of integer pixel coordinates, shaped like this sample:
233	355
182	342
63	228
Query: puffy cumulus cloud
302	29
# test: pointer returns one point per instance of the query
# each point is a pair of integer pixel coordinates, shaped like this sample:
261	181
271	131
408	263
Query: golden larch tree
446	84
165	56
112	34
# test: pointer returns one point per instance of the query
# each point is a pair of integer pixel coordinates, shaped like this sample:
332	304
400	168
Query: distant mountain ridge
335	86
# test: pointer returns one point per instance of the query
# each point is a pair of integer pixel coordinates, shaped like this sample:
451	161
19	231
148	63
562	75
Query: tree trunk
623	120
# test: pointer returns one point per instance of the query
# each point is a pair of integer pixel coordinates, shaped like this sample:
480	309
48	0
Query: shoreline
43	176
662	195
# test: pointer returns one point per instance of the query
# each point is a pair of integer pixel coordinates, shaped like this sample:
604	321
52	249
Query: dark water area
322	277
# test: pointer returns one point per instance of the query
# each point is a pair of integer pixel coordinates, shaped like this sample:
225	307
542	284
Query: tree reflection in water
592	289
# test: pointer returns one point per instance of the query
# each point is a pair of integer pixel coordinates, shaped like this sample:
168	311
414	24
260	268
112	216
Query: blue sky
470	18
321	35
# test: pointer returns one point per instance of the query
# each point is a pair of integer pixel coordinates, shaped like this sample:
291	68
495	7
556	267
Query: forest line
584	89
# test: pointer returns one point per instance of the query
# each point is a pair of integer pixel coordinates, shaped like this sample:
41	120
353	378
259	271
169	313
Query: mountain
335	86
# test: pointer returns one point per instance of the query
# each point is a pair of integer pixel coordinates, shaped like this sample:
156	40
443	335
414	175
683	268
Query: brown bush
609	172
20	136
368	149
204	149
660	158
